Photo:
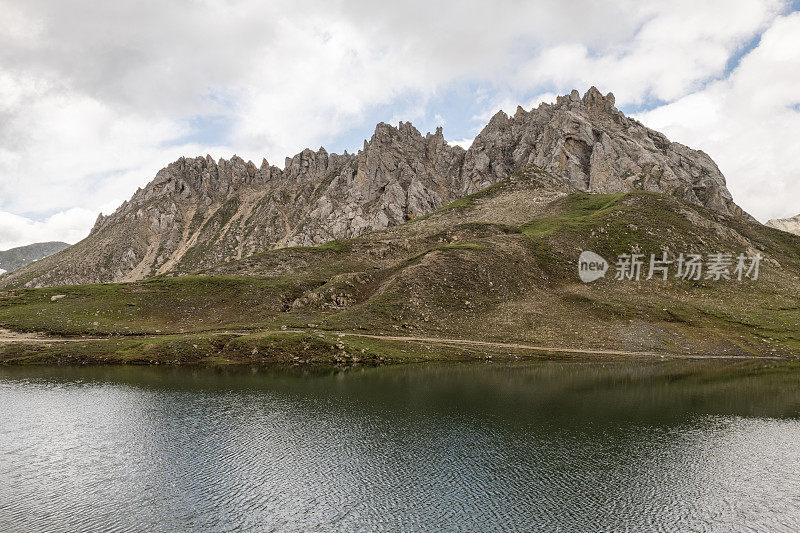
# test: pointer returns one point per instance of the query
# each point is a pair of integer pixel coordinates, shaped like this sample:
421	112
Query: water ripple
549	446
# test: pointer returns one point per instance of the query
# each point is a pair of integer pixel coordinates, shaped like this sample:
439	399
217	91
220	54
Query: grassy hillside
498	266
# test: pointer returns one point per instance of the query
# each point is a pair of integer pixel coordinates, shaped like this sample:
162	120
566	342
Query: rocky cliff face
596	148
200	212
791	225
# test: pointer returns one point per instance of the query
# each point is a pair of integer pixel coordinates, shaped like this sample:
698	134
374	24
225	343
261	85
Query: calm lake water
545	446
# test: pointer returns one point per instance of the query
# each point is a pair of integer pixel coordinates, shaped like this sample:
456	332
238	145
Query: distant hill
791	225
18	257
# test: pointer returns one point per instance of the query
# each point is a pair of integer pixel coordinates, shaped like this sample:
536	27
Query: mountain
491	274
791	225
18	257
199	212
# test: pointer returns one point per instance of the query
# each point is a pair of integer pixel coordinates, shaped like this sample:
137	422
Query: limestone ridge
790	225
198	212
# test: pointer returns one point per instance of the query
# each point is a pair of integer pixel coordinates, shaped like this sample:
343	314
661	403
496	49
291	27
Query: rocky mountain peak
595	147
198	212
592	99
386	133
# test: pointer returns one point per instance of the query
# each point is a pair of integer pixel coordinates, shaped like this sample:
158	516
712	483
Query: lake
538	446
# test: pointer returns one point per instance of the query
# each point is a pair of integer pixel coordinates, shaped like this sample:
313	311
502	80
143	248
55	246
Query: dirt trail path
552	349
516	346
7	336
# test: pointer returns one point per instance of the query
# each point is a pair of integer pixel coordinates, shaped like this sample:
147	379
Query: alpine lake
556	445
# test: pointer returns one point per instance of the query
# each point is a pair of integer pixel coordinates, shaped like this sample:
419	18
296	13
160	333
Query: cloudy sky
95	97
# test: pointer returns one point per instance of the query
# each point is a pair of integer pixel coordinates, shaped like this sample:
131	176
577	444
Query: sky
96	97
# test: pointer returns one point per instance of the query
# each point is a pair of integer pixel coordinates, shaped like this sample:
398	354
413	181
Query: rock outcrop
593	146
790	225
198	212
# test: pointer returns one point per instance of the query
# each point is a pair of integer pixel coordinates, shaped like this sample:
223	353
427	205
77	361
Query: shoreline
297	347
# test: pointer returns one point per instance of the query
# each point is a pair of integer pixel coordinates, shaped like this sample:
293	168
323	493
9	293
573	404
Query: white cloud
463	143
68	226
680	46
748	125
